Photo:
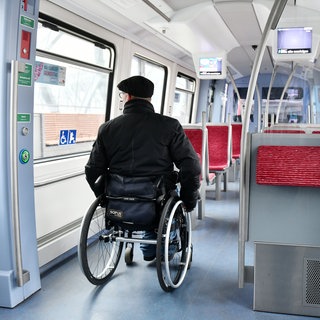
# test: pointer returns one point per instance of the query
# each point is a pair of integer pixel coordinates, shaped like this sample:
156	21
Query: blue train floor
210	290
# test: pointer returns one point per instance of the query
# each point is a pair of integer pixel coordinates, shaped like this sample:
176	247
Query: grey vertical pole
266	112
284	91
259	108
273	19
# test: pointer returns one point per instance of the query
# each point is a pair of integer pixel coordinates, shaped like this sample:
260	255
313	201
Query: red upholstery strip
218	147
316	132
288	165
236	140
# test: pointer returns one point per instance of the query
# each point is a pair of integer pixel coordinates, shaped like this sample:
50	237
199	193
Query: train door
19	270
73	85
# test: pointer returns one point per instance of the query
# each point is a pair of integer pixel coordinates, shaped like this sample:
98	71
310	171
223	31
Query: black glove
190	201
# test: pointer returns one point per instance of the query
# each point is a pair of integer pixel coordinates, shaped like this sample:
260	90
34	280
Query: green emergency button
24	156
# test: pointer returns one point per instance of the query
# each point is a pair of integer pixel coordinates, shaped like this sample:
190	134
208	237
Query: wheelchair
102	240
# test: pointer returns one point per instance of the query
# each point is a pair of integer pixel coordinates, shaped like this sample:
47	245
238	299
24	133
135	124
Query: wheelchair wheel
98	252
173	245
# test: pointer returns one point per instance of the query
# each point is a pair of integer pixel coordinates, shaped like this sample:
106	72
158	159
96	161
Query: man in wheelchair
139	149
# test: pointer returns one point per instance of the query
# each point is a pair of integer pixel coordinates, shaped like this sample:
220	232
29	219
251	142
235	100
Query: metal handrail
284	91
259	108
14	171
266	112
45	182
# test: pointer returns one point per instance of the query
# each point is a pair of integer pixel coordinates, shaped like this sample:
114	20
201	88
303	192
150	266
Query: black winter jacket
141	142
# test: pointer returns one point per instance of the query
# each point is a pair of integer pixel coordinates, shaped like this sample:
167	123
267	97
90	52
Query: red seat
197	134
218	147
236	140
219	152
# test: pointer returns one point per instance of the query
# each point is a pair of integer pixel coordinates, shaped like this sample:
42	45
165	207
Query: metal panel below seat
287	279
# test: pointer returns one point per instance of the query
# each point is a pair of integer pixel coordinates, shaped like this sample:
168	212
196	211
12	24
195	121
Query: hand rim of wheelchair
165	279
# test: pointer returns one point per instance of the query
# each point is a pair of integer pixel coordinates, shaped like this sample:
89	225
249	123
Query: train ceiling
181	29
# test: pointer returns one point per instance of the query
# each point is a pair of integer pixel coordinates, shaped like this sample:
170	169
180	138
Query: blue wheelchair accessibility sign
67	137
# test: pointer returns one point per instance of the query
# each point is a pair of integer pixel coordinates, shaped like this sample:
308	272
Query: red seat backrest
236	140
195	137
218	147
288	165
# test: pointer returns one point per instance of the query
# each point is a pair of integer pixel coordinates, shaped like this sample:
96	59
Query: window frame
188	91
57	25
60	25
165	79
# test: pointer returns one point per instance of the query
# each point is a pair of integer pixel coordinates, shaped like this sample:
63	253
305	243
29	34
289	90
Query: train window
157	73
183	98
292	93
63	43
291	109
242	93
71	91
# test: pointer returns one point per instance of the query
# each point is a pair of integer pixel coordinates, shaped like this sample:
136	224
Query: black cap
137	86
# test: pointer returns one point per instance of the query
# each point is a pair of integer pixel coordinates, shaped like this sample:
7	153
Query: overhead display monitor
293	43
210	66
294	40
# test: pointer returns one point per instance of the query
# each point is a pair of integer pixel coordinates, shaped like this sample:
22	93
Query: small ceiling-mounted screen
210	65
294	40
293	43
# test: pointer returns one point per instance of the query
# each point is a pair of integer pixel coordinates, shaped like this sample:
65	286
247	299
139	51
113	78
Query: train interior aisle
210	289
219	67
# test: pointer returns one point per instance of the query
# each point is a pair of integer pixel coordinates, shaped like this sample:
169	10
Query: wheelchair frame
101	244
